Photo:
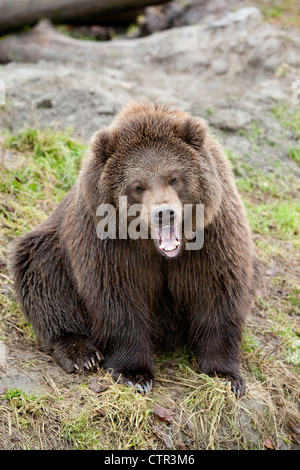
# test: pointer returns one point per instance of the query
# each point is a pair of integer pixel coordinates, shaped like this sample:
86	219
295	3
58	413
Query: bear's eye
173	181
139	189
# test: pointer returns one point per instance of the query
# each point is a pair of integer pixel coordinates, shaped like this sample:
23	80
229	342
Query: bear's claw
75	353
142	383
142	387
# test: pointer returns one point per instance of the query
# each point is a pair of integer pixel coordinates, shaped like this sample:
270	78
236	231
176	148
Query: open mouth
167	240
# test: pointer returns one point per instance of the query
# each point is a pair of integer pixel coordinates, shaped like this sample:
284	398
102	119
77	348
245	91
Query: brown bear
94	298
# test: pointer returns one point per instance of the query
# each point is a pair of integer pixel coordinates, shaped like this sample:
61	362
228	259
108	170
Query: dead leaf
269	444
181	446
164	414
96	387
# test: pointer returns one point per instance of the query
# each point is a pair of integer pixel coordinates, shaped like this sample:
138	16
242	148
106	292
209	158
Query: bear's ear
102	145
193	132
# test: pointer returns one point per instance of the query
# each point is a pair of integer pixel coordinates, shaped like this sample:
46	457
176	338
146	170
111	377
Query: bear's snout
166	228
164	215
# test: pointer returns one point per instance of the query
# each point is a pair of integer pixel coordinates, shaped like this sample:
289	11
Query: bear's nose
164	215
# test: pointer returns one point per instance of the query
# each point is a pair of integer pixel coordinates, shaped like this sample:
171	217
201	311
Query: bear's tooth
176	243
162	246
170	248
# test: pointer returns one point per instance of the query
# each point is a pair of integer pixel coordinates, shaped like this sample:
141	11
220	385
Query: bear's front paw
237	384
75	353
143	382
231	375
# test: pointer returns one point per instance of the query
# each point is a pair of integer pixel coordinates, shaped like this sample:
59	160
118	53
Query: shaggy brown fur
121	300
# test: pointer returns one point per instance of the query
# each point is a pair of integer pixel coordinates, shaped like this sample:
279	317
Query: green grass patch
294	153
271	198
54	158
279	219
259	184
45	165
289	117
284	13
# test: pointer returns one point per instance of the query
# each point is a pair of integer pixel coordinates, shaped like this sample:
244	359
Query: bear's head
160	161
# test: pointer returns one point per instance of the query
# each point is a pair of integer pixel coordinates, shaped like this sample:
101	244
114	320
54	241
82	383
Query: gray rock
242	15
231	119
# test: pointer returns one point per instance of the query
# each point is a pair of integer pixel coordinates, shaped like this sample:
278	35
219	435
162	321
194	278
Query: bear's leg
217	347
50	301
128	353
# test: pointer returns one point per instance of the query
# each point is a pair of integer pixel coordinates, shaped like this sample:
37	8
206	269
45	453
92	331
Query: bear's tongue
167	239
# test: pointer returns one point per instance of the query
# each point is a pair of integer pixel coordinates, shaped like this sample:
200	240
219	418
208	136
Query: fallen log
44	42
17	13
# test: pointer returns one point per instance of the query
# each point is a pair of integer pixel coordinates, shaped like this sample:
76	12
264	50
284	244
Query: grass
284	13
290	119
38	168
279	219
47	167
54	161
